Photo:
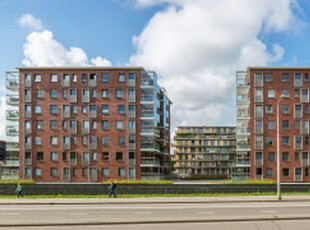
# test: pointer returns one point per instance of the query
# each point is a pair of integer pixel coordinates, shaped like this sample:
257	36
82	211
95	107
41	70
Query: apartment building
259	91
208	151
89	123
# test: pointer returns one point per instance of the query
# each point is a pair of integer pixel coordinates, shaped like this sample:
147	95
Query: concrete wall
97	189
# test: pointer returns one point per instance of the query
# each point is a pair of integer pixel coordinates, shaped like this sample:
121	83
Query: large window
285	124
285	77
54	109
285	156
286	93
105	109
37	109
297	79
258	79
54	156
119	93
259	111
121	109
268	109
268	77
285	141
285	109
271	156
53	93
105	77
105	141
259	95
105	93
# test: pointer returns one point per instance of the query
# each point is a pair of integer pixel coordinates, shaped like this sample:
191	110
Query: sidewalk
146	200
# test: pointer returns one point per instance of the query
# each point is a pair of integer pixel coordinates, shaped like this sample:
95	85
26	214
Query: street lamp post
278	151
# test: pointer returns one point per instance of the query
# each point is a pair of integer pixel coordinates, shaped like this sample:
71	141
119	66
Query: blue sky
196	46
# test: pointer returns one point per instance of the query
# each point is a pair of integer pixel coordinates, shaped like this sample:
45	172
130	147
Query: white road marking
78	214
10	214
203	213
265	211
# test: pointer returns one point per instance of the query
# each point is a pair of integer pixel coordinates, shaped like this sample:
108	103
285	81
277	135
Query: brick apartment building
89	123
259	89
205	151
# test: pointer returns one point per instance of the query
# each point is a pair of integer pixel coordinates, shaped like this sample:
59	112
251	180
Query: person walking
112	189
19	190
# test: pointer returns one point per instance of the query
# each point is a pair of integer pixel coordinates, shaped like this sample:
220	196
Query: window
84	141
305	95
53	93
121	172
121	109
258	142
296	125
54	156
119	93
285	156
268	109
94	125
93	108
74	111
64	156
298	111
271	93
285	172
258	172
285	93
119	156
84	78
296	93
37	78
132	76
40	156
119	125
105	141
285	109
306	172
37	140
305	127
259	95
105	93
306	140
84	172
105	77
258	111
131	139
297	142
37	171
297	79
268	172
74	140
285	77
105	109
105	156
37	109
285	141
105	172
94	156
84	109
64	125
74	78
306	109
285	124
258	79
306	77
53	125
40	93
269	141
54	78
271	125
268	77
296	156
74	173
121	140
40	125
271	156
64	93
121	77
105	125
53	109
54	140
94	93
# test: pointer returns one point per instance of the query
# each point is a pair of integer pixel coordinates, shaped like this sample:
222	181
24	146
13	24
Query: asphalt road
116	216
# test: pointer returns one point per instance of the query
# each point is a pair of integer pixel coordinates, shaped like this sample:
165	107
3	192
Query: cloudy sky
196	46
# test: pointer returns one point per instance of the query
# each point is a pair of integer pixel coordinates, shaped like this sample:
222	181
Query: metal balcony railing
131	114
131	130
72	98
66	113
28	146
73	130
132	145
73	161
12	146
93	114
131	161
131	98
85	130
131	83
28	161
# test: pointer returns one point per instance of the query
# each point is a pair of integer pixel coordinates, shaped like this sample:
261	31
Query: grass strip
162	195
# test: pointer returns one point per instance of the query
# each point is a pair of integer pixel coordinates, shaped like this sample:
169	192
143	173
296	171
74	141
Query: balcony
150	147
28	161
243	162
147	114
131	83
150	130
12	130
132	146
149	162
243	147
28	146
12	99
12	83
131	161
12	115
147	99
150	176
11	162
12	146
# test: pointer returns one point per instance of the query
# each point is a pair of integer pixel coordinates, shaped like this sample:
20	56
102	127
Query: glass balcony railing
149	161
12	114
147	99
147	113
150	147
12	99
12	84
12	146
150	130
12	130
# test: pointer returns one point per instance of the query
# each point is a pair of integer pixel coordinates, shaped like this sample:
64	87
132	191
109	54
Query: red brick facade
294	161
44	165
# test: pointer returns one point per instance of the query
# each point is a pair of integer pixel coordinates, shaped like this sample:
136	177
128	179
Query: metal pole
278	152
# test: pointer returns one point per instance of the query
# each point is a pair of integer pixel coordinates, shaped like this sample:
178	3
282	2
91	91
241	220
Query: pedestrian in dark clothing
19	190
112	189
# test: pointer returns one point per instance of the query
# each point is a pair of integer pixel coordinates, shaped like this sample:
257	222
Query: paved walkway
217	199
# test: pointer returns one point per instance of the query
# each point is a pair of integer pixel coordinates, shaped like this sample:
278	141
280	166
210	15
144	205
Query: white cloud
42	49
28	20
99	61
198	45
